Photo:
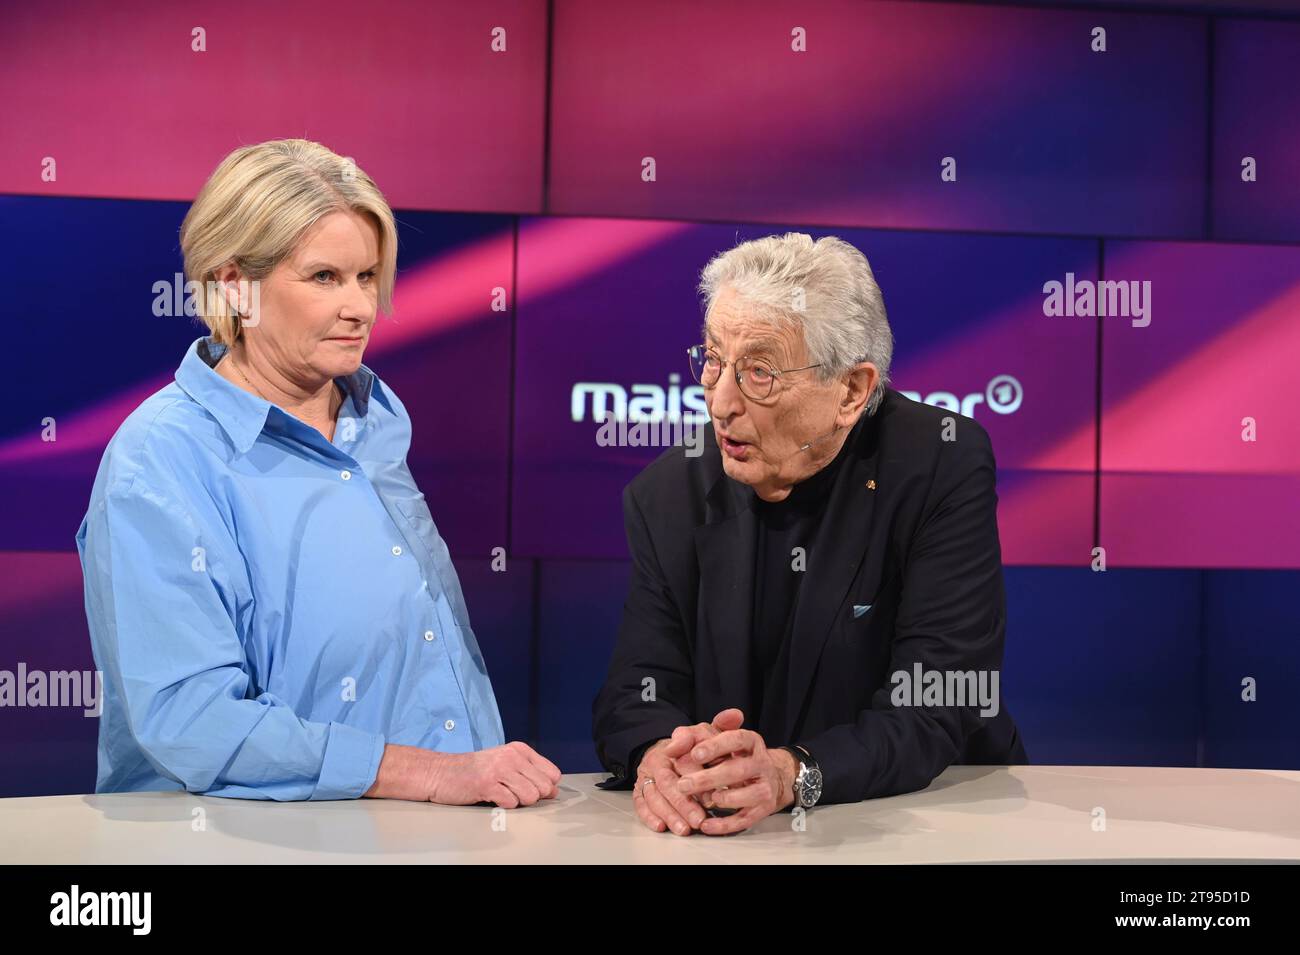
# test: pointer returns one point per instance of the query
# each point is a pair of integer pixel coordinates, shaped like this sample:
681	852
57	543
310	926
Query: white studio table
968	814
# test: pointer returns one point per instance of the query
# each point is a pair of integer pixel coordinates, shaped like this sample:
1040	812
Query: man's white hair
824	288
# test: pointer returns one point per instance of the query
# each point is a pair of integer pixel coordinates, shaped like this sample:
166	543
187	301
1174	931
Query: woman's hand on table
511	775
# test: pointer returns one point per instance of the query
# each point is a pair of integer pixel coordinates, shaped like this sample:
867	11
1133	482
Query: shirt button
346	475
428	635
449	725
397	551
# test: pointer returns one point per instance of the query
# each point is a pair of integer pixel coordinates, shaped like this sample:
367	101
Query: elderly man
835	541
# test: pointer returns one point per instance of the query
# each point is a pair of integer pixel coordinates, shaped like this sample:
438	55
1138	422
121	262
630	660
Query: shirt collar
243	415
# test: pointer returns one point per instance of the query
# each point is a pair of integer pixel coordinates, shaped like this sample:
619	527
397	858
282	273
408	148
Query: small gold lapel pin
871	485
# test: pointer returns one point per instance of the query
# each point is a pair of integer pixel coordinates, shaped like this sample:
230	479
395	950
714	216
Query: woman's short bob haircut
256	207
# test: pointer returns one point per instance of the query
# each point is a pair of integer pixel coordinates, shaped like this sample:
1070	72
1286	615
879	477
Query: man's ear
859	385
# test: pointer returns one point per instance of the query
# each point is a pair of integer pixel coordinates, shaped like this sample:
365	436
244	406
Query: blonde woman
273	609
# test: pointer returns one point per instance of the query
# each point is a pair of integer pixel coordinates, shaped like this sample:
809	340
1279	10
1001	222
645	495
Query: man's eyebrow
769	346
757	345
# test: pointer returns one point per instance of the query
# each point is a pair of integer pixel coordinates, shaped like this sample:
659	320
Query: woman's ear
227	278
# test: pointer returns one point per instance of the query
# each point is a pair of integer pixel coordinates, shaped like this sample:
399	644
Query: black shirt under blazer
910	530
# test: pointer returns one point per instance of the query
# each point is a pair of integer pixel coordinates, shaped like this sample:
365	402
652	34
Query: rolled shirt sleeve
168	599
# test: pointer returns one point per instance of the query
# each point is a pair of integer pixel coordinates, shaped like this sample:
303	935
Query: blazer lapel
834	560
724	546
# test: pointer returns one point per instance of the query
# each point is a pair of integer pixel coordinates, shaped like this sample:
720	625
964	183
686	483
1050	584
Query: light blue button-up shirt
269	608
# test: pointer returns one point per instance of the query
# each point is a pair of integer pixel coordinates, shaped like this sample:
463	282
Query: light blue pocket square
860	609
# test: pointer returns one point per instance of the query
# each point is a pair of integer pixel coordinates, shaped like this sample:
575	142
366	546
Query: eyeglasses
755	377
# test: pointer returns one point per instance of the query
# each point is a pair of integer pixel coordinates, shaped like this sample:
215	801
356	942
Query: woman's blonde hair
254	209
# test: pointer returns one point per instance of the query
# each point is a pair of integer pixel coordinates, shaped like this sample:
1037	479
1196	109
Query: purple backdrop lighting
389	89
1181	487
1257	115
1047	134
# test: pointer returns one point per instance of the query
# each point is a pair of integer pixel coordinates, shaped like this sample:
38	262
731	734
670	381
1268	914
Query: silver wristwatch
808	783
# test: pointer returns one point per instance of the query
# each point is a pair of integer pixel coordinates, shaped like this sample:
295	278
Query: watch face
812	788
